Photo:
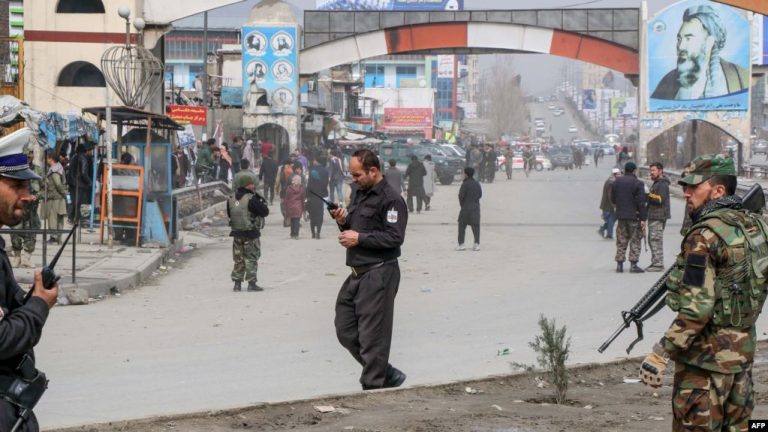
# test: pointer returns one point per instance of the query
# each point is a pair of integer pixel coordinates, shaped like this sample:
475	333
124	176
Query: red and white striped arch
489	36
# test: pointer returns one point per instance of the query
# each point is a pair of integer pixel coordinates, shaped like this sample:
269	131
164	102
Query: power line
580	4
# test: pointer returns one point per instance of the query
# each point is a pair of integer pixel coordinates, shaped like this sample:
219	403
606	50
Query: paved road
190	344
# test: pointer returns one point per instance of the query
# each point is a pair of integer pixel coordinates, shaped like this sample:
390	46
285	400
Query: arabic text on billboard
709	68
187	114
400	5
445	66
414	117
269	63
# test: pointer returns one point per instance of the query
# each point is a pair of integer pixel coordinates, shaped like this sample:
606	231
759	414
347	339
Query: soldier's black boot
635	268
620	267
237	286
253	287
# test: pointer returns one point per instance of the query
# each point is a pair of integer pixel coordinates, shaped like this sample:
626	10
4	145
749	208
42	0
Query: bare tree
503	101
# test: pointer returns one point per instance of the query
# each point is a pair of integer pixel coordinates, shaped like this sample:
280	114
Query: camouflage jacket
699	336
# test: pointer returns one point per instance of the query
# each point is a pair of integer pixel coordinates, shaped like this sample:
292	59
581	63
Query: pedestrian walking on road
336	170
658	214
56	202
294	203
373	230
629	198
607	206
22	318
429	181
246	210
317	183
268	175
415	174
717	289
508	162
598	154
394	177
469	201
622	158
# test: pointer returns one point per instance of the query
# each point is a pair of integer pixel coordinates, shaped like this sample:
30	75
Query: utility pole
205	59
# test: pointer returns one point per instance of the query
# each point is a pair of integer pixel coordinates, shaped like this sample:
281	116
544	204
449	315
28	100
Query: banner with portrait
269	64
699	58
589	100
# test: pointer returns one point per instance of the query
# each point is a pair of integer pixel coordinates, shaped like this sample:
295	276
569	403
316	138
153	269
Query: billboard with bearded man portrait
699	58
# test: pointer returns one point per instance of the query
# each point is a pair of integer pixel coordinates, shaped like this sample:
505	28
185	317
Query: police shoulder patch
392	216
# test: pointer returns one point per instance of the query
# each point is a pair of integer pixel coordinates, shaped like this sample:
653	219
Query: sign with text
414	117
699	58
186	114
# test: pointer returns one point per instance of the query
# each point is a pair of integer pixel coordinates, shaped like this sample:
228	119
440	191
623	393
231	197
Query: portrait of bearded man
701	73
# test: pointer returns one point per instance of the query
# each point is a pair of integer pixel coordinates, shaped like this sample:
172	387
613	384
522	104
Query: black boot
237	286
395	377
635	268
253	287
619	267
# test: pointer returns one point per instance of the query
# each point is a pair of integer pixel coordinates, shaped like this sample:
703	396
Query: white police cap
13	160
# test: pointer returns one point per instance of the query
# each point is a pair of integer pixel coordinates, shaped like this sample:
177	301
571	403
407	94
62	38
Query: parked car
758	147
445	168
608	150
453	149
561	157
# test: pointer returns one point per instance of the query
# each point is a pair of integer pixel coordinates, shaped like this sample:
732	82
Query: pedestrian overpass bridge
606	37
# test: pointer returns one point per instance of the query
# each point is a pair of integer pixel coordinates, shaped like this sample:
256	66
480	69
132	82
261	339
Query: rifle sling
656	308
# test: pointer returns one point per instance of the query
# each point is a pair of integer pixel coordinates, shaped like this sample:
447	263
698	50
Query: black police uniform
21	326
365	305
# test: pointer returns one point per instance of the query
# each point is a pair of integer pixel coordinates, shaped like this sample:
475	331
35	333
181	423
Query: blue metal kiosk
149	138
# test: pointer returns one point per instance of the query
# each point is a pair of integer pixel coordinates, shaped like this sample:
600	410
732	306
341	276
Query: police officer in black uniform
373	229
21	322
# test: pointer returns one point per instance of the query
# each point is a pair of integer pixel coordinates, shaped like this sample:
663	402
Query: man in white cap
21	318
606	205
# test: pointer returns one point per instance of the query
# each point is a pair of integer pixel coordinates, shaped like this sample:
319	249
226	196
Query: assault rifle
653	300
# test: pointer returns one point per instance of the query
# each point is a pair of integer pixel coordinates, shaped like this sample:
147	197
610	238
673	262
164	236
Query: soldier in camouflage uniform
26	241
717	289
246	210
628	195
658	213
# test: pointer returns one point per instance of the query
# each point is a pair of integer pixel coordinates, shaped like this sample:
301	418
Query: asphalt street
188	343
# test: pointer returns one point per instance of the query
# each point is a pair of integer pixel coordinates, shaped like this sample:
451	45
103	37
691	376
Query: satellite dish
422	83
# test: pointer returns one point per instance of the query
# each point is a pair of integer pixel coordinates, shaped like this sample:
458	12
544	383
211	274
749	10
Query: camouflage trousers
628	234
704	401
245	253
31	221
656	241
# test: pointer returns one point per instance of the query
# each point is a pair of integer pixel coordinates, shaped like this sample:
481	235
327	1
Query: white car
573	129
551	107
